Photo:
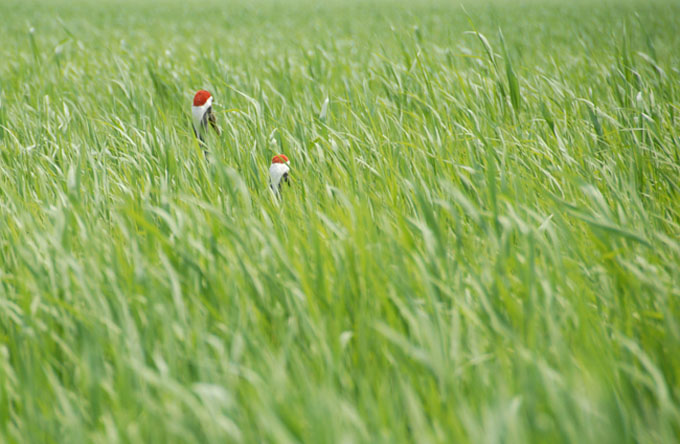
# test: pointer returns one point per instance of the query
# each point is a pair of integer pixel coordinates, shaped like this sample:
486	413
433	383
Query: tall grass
480	243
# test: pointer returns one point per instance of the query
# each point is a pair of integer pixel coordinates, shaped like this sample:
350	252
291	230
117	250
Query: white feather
197	113
276	172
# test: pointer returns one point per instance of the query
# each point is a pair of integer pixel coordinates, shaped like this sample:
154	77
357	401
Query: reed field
480	242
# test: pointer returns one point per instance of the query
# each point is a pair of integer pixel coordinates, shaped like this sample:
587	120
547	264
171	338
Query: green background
480	243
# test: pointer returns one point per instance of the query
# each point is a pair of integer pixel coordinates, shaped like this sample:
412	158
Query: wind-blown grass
480	243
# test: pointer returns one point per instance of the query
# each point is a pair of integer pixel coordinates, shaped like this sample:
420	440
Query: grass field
481	242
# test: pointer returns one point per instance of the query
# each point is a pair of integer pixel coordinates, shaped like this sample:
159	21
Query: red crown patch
201	97
280	158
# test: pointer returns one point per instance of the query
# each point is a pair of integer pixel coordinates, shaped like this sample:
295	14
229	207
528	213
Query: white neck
197	113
